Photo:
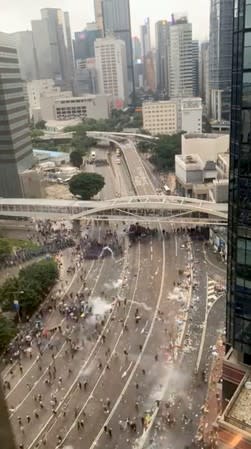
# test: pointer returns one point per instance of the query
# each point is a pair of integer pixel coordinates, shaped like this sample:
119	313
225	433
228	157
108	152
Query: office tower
149	72
85	77
15	144
239	224
139	74
204	73
136	47
220	58
145	38
26	55
180	57
117	22
84	41
110	55
195	56
99	15
162	37
53	46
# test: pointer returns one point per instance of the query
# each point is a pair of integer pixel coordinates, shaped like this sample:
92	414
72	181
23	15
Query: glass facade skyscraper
239	226
117	23
220	57
162	38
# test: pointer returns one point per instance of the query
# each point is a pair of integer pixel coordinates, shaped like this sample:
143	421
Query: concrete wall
188	175
207	148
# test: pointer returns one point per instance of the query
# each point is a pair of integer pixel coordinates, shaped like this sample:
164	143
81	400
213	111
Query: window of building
247	51
248	15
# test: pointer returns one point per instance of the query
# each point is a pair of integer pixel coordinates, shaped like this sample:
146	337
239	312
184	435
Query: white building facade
180	59
160	117
88	106
111	66
207	146
191	115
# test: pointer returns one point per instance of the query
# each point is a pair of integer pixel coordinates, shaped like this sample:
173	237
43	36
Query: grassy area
19	244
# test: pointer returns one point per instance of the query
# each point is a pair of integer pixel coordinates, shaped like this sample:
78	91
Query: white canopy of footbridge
155	206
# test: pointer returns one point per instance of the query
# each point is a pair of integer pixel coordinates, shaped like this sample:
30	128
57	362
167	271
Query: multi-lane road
136	352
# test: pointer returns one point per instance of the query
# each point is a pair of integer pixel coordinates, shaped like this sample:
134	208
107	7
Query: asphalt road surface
130	381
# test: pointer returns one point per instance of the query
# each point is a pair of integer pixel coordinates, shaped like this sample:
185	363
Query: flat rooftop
239	413
202	136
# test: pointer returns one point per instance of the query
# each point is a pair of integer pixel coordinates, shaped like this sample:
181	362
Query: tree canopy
76	159
5	249
41	124
7	332
86	185
29	288
162	151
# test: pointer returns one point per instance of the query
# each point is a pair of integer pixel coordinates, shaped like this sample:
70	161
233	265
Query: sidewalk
212	407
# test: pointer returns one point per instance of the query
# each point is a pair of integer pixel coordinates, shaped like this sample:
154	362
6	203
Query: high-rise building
15	144
239	224
234	422
99	15
54	51
136	47
117	22
26	55
195	56
162	38
85	77
145	33
149	72
84	41
110	55
204	73
220	58
180	57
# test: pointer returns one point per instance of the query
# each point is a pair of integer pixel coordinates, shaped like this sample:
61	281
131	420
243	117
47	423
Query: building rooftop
61	124
202	136
210	165
192	161
239	411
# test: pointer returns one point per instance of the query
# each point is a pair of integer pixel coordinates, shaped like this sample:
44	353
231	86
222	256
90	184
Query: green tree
30	287
164	151
7	332
76	159
35	133
86	185
41	124
5	249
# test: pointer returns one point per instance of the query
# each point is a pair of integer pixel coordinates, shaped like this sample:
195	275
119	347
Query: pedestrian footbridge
149	208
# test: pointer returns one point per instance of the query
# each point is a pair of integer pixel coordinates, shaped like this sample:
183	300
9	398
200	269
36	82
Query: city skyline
13	19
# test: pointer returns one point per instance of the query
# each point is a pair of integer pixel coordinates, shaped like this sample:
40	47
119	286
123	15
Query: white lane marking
114	350
95	442
144	328
60	350
126	371
76	378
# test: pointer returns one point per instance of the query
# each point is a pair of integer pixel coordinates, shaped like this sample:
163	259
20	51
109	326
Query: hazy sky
17	14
